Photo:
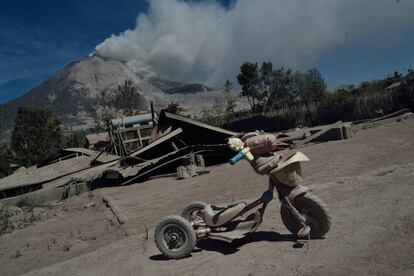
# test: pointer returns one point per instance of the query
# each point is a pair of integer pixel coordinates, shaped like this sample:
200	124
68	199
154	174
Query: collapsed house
175	141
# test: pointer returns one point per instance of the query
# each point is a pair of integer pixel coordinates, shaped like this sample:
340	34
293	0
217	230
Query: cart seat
217	215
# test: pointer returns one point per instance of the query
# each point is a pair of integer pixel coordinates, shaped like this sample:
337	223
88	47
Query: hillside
70	92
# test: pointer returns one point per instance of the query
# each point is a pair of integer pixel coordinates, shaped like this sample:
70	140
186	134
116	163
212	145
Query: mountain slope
70	92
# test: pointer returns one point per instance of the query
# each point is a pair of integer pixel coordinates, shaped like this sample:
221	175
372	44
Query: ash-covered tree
269	89
128	98
104	105
249	80
315	86
231	103
281	88
266	79
36	135
109	104
6	158
3	126
75	139
406	90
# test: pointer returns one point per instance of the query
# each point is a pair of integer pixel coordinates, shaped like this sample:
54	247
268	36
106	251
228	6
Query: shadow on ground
233	247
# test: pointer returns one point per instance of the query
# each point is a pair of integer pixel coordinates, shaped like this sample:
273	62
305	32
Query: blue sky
367	60
38	37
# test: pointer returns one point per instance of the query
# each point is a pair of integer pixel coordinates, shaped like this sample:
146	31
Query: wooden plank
139	137
134	128
168	159
399	112
199	124
291	138
131	140
157	142
317	134
151	170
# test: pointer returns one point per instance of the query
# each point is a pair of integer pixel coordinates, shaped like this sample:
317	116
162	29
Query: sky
349	41
39	37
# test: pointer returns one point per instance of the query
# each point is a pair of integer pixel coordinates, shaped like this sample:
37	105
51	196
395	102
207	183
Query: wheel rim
310	219
174	237
195	215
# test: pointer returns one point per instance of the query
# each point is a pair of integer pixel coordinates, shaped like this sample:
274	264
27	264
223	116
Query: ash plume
207	42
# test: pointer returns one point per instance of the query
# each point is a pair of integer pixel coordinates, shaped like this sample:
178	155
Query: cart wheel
174	237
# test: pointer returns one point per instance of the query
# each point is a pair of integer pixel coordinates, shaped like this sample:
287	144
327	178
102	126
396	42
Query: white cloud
206	42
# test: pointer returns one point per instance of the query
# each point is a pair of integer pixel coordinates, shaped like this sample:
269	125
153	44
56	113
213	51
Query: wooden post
140	138
154	123
200	161
182	173
122	219
188	167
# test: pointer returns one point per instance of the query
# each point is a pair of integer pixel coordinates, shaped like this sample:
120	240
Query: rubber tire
185	226
319	212
197	205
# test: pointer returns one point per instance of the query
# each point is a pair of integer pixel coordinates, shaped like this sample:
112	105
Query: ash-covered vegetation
282	99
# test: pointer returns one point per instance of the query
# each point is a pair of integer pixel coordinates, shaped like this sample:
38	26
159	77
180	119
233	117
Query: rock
89	205
131	231
39	213
12	211
78	245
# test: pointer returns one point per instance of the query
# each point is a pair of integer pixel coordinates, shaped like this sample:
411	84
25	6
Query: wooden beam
399	112
317	134
139	137
158	141
199	124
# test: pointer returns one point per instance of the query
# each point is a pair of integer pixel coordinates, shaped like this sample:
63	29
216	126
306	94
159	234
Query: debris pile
178	145
13	217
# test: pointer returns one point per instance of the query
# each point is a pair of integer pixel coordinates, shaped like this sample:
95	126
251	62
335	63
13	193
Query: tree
298	85
104	105
406	90
227	88
108	104
315	86
6	157
249	81
231	104
36	135
75	139
281	88
127	99
218	109
2	124
266	80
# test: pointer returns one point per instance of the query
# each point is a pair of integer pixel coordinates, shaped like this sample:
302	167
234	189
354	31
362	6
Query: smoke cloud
204	41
